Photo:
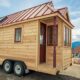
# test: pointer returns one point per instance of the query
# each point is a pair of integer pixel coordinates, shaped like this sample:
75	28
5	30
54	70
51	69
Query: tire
19	69
8	66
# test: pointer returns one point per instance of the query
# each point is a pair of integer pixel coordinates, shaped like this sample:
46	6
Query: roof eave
64	19
41	17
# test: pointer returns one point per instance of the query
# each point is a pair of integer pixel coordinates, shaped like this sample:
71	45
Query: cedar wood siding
67	52
26	50
64	53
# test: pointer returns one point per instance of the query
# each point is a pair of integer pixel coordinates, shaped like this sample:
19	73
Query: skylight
2	18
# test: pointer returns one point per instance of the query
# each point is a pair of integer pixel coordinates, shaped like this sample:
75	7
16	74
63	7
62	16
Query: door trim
44	44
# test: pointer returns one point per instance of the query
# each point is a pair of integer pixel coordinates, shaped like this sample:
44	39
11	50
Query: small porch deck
45	68
47	59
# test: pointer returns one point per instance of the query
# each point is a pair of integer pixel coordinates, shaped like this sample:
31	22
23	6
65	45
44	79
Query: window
67	36
41	39
18	34
50	35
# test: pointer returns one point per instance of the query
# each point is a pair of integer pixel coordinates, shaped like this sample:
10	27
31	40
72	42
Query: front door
42	43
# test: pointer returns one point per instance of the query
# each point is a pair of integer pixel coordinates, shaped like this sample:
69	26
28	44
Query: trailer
38	38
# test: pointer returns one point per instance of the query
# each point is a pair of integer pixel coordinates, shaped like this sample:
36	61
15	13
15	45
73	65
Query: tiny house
38	38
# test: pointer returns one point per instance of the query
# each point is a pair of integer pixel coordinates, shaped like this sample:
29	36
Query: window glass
18	34
50	35
41	39
67	36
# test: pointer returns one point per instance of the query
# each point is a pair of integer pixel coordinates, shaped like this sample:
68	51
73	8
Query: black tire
8	66
19	69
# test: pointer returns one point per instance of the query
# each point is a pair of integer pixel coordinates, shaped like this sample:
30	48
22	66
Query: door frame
43	42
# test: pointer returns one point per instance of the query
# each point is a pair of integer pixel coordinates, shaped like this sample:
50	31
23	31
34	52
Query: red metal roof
64	12
40	10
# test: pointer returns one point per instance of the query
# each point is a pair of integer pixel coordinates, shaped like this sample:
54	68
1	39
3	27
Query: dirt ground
72	73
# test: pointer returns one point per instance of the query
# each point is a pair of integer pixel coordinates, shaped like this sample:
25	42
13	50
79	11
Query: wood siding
26	50
64	53
49	55
67	57
67	51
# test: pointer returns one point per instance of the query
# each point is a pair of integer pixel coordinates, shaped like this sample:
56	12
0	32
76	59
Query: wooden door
42	43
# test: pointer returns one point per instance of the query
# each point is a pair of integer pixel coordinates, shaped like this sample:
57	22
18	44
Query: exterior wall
64	53
67	51
59	57
26	50
67	57
49	55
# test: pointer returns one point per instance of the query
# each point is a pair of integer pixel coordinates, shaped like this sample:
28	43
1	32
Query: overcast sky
11	6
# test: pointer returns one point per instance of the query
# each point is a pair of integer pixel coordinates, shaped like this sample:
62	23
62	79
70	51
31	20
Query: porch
48	43
45	68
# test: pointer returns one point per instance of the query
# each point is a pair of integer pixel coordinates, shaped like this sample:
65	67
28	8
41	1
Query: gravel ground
72	73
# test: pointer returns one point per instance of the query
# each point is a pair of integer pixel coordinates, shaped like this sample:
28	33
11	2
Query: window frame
49	44
20	34
67	36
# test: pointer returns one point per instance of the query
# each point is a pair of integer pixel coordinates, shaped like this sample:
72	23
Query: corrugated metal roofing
40	10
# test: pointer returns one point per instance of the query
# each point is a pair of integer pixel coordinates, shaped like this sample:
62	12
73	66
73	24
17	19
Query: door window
41	39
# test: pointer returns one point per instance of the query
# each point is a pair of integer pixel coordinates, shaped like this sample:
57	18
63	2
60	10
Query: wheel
19	69
8	66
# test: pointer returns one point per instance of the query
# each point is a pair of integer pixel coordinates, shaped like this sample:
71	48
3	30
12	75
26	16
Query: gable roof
37	11
64	12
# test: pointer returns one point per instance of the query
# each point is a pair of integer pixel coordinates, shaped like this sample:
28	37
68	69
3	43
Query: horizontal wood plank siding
67	57
25	50
49	55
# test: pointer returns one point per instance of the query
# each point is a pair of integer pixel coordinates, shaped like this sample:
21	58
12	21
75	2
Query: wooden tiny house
39	37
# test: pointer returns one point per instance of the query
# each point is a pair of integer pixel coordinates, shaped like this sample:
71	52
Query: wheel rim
18	69
7	67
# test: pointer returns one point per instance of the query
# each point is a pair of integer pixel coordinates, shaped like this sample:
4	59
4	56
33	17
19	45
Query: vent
3	18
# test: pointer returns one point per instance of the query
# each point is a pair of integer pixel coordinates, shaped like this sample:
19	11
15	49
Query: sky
11	6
